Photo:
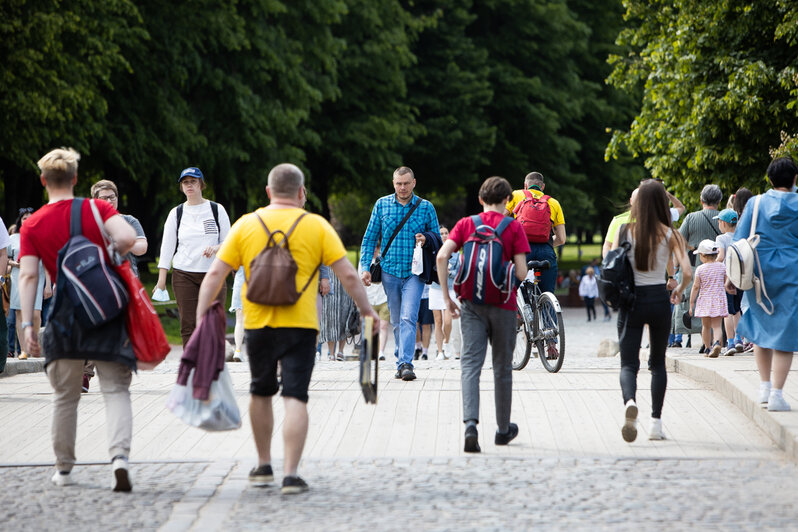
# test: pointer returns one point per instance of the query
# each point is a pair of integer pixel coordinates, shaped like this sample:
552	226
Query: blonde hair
589	270
103	184
59	166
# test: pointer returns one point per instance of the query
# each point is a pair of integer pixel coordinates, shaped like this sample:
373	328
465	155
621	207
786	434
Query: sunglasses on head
25	210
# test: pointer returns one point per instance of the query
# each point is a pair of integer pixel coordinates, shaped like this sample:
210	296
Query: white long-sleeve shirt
588	286
197	232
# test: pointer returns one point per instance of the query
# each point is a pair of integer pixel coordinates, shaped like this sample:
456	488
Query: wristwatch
25	324
2	279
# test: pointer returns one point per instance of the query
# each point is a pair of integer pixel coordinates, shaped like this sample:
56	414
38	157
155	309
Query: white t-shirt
197	231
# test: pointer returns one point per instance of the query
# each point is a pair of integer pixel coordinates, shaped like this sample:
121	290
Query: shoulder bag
376	269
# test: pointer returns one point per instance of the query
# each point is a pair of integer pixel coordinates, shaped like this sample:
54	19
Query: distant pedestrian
408	216
335	309
68	342
708	297
192	234
727	221
588	290
43	286
237	307
4	347
775	335
106	190
654	241
483	323
444	321
285	333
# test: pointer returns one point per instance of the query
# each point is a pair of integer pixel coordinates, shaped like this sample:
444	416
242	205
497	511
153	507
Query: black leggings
652	308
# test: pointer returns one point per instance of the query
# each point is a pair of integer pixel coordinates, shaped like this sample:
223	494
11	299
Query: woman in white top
192	234
654	242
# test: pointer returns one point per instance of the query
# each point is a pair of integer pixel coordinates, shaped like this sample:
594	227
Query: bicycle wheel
523	347
551	342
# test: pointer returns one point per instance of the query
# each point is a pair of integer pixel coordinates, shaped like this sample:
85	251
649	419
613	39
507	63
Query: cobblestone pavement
33	503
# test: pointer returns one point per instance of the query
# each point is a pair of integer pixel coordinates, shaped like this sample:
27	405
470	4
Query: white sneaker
237	356
764	393
776	403
62	478
629	430
121	477
448	351
440	356
655	433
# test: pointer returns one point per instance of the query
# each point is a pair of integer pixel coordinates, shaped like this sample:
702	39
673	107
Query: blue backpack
484	277
95	290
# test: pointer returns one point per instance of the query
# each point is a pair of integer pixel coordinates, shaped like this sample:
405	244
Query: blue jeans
404	298
548	278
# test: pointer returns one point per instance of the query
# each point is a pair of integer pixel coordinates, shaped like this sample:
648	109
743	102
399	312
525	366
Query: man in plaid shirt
402	288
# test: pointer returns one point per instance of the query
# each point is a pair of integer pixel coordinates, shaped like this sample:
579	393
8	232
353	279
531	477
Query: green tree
719	88
449	88
362	128
57	64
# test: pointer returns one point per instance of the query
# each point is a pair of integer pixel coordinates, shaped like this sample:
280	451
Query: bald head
285	180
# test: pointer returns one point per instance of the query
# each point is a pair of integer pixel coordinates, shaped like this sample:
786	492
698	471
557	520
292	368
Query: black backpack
616	280
92	286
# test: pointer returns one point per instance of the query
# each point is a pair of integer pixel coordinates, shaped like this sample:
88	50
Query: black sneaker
423	356
471	440
261	475
399	372
293	485
406	370
677	344
417	353
503	438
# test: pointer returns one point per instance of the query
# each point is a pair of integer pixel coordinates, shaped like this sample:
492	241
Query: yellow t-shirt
557	216
616	223
313	241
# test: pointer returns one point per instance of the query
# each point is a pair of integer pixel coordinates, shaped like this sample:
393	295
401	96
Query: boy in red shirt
42	236
483	323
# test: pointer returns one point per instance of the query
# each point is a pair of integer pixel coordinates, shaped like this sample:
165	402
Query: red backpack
534	215
484	277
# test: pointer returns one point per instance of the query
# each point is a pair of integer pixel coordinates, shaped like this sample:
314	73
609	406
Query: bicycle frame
530	288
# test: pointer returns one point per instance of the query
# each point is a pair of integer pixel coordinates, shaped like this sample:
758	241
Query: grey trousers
480	324
66	376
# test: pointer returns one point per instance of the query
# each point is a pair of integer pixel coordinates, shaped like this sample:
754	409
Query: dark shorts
425	316
296	351
733	302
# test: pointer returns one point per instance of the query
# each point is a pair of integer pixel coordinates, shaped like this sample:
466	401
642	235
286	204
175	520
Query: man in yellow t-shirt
535	183
284	333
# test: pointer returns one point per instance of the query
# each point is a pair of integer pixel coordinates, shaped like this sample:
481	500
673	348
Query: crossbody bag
376	268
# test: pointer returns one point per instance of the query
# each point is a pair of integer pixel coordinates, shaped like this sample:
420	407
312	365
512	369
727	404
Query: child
482	323
588	289
727	222
710	305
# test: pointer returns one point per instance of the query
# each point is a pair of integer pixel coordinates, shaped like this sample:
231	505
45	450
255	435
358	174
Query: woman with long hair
654	242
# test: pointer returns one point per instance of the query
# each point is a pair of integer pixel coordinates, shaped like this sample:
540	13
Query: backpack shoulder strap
756	213
544	198
215	212
75	215
178	217
503	225
477	220
528	194
293	226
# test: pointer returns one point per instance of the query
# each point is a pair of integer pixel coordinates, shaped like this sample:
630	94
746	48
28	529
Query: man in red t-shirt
42	236
483	323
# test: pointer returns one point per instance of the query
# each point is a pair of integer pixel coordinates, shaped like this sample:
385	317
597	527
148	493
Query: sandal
339	357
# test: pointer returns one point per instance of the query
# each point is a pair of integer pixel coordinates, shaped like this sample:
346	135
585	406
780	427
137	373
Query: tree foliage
719	86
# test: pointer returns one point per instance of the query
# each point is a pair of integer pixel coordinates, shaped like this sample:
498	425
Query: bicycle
539	322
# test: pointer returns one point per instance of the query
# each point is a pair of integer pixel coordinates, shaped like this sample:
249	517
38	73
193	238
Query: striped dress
335	308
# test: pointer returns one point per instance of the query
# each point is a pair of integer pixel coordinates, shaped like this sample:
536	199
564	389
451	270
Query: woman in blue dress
775	336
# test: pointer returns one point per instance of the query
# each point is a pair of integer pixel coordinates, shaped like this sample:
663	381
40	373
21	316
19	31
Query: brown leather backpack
272	273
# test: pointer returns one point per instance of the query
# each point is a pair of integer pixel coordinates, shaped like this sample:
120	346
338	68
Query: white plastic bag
417	267
160	295
219	412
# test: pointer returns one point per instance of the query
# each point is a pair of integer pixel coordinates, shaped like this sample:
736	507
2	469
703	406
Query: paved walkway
399	464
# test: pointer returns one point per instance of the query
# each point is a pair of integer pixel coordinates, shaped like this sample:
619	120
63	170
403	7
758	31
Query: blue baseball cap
191	171
727	215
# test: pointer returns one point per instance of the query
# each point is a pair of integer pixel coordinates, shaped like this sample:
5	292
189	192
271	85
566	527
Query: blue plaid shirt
385	216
